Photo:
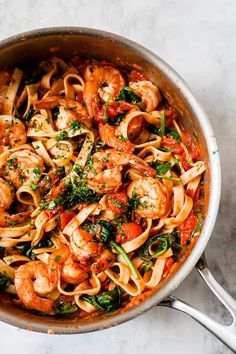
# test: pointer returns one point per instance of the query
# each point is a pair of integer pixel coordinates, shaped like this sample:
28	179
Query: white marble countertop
198	39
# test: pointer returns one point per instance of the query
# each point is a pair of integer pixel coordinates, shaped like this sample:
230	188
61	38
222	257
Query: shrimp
20	165
31	280
68	110
83	245
151	195
105	176
6	199
105	82
104	261
107	134
86	249
6	195
7	220
149	93
12	132
61	264
72	110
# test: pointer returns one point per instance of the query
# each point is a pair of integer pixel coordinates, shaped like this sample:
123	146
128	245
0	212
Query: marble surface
198	39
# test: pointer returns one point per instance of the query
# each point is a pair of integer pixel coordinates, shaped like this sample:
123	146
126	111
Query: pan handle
226	334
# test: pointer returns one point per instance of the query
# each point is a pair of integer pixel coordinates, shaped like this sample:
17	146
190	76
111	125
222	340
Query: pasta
100	187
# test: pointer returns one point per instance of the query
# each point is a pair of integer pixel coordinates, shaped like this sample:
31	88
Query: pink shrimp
107	134
105	177
31	280
104	82
61	264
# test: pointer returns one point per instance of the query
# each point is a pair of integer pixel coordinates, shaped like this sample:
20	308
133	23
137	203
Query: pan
64	42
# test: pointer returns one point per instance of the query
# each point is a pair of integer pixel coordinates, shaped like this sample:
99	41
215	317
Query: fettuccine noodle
100	187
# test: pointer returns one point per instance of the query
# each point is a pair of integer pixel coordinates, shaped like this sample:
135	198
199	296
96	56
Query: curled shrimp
61	264
105	176
104	82
32	283
68	110
87	249
6	199
104	261
72	110
6	195
150	94
12	132
151	195
20	165
83	245
7	219
107	134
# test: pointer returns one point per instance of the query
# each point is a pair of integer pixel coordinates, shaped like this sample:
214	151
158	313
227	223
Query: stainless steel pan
63	42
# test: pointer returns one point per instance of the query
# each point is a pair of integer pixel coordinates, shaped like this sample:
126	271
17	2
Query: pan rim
215	184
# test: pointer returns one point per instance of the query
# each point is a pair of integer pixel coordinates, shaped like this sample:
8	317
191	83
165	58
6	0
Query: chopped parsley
33	186
62	135
36	170
74	125
57	258
11	163
174	134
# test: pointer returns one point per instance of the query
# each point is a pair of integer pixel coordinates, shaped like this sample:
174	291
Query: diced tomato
186	165
128	232
117	202
49	181
57	190
191	146
113	109
172	145
137	76
169	262
53	212
187	228
65	217
170	115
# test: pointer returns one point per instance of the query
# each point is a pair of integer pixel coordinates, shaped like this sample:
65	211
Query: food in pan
100	187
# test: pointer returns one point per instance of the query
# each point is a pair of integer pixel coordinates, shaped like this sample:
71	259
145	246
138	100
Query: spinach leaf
66	308
30	114
162	242
107	301
105	229
161	168
27	250
174	134
168	131
4	280
127	94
